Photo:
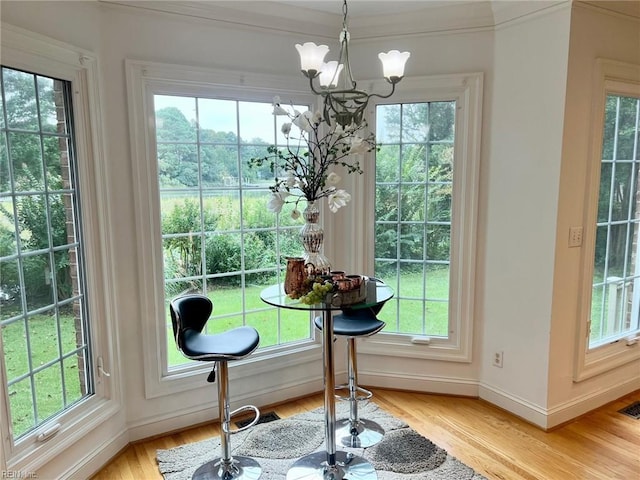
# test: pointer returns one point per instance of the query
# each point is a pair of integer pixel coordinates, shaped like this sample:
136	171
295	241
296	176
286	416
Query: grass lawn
39	335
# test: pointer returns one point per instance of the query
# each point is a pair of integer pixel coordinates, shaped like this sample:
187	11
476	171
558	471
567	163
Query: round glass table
330	464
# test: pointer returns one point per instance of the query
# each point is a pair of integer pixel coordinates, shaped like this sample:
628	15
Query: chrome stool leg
228	467
355	432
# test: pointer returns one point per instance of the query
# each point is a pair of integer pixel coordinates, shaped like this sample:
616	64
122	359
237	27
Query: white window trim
466	90
144	80
26	50
610	77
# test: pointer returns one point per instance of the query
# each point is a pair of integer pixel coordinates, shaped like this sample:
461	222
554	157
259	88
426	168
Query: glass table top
377	292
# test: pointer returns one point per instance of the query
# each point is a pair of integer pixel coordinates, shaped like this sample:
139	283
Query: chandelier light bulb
330	74
393	63
311	57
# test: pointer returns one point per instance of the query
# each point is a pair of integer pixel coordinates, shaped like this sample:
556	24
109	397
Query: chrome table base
241	468
330	464
345	467
360	434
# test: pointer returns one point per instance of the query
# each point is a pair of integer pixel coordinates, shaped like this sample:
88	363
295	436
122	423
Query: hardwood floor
602	445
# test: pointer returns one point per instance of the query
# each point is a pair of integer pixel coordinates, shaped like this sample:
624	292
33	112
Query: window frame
610	78
466	89
144	80
33	53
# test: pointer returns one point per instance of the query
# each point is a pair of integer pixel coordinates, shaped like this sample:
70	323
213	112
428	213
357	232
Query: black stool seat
229	345
354	323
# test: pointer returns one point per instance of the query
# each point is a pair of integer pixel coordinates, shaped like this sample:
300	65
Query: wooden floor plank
602	445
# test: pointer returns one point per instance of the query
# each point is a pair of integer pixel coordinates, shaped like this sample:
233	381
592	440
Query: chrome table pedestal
241	468
329	464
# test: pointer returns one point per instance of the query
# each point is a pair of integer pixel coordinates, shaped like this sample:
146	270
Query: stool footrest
366	394
246	408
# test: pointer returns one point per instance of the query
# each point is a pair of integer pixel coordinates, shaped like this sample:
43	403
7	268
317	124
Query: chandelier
345	103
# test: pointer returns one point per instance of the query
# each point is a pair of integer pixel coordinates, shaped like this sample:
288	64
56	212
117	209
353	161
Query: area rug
402	454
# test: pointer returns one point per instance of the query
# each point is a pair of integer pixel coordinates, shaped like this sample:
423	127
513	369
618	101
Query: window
610	301
218	238
46	351
56	309
616	271
202	217
425	190
414	179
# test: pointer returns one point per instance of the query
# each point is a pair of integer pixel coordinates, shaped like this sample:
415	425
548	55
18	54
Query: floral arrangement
308	159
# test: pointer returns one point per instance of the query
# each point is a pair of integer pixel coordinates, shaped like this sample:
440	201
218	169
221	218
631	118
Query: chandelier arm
393	89
322	93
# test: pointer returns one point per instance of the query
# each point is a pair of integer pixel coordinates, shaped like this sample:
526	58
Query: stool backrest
189	312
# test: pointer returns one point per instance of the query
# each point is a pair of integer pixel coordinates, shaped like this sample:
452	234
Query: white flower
338	199
295	214
317	118
291	180
358	145
333	178
303	121
277	201
285	129
278	110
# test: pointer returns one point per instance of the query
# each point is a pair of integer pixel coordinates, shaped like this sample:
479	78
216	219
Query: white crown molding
426	16
505	11
627	8
264	15
437	18
313	19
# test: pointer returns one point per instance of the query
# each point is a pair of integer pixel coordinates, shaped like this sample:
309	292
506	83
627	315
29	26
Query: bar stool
189	314
355	432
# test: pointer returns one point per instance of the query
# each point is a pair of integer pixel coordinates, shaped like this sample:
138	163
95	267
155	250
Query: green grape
317	294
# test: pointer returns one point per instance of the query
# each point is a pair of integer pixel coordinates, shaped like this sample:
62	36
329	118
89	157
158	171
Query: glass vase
312	238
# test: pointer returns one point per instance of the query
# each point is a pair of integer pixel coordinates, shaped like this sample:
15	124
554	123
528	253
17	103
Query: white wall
594	33
522	168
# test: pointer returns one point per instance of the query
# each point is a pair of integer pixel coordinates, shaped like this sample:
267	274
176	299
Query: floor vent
632	410
264	418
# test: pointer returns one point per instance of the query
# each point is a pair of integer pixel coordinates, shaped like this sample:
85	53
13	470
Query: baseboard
548	418
519	407
92	462
567	411
420	383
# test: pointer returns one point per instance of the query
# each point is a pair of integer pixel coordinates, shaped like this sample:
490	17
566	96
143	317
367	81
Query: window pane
414	187
388	163
219	166
218	120
615	301
4	167
387	202
414	127
20	100
387	120
414	163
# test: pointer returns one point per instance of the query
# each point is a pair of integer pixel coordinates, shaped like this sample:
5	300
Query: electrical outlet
497	359
575	236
